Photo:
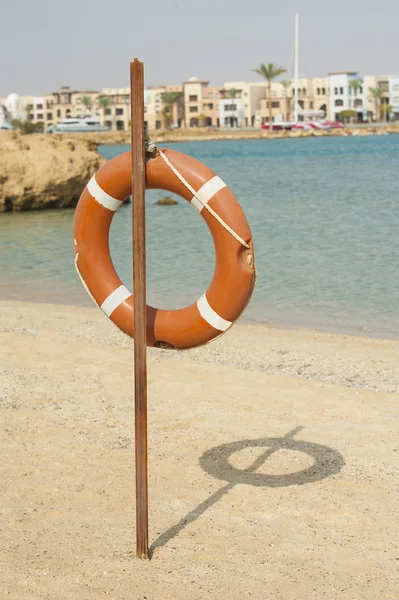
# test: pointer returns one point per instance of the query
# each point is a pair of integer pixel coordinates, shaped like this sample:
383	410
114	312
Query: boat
77	125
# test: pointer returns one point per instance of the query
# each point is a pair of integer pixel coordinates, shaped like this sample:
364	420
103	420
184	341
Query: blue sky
89	44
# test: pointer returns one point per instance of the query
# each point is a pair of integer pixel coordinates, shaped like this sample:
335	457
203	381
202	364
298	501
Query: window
274	94
107	111
119	111
304	91
395	87
39	106
341	90
336	91
193	108
310	104
58	113
396	100
193	98
230	106
49	116
318	91
275	104
323	91
40	116
339	103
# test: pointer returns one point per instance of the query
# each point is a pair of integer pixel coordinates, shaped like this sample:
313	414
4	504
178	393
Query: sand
272	460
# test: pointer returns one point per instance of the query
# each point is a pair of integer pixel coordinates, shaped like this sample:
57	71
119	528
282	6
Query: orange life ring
234	276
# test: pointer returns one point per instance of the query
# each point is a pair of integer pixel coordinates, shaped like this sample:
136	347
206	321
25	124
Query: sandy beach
272	458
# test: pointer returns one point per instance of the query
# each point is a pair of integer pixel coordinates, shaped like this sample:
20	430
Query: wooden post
139	285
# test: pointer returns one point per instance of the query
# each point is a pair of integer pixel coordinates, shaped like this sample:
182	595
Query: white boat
77	125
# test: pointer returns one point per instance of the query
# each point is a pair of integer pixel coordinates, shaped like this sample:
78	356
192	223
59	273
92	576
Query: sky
89	44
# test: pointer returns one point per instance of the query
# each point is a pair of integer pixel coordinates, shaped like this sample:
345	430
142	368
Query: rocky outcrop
44	171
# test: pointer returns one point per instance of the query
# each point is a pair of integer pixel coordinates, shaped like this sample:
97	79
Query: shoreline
44	171
309	327
206	135
241	330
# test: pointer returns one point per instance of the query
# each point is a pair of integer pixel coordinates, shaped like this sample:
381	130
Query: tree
377	93
87	102
104	102
201	120
269	72
385	110
356	86
232	92
169	99
28	110
347	115
286	84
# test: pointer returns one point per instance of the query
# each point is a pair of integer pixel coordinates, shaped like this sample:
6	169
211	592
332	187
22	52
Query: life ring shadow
215	461
327	462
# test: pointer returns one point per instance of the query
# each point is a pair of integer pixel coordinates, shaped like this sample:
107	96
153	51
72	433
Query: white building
343	97
251	94
231	112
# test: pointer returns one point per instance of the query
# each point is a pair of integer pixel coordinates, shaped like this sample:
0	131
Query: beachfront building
393	90
24	108
67	102
115	112
344	99
201	103
319	96
312	101
231	112
377	108
251	94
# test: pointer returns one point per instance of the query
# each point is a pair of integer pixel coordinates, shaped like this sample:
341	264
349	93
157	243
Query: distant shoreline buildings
195	103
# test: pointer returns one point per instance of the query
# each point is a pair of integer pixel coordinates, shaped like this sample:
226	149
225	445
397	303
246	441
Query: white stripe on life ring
115	299
210	316
102	197
207	191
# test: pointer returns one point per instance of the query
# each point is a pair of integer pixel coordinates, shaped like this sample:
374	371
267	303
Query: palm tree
28	110
376	93
356	86
286	84
104	102
169	99
232	92
87	102
269	72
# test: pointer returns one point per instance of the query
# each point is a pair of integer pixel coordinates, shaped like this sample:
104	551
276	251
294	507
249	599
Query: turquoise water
325	220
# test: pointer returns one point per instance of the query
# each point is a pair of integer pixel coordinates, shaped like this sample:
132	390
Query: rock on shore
43	171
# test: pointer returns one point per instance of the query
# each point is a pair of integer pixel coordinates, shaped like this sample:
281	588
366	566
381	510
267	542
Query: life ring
234	275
